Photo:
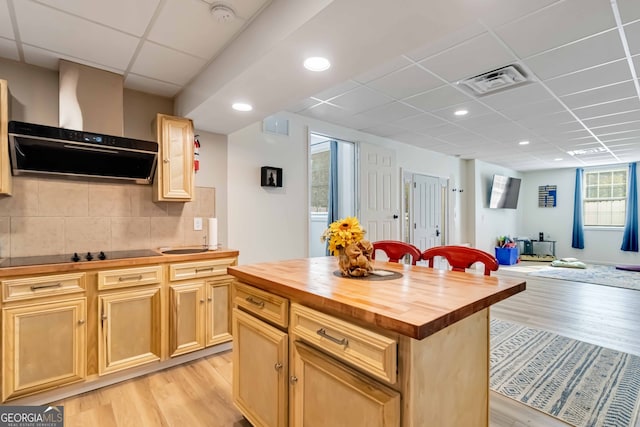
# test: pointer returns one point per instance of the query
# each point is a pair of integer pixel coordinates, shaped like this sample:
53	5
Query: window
605	199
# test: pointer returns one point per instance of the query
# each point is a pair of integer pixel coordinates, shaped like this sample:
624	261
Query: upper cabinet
174	175
5	169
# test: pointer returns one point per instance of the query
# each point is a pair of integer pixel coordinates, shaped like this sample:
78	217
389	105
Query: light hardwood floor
199	393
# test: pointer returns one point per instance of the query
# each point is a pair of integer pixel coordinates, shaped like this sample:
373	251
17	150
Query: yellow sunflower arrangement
342	233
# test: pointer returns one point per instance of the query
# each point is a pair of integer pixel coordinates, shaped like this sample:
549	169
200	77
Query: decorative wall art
547	196
270	176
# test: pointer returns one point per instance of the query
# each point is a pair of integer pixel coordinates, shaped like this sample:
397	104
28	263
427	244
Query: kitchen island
315	349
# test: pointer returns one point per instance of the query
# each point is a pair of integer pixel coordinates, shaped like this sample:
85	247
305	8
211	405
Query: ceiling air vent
495	80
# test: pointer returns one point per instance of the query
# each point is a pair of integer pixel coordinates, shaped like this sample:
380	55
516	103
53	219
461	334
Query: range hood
89	141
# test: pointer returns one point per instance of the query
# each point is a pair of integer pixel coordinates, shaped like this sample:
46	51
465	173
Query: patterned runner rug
579	383
606	275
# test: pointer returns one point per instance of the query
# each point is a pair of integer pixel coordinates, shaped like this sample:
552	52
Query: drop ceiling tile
383	69
46	59
360	99
585	53
468	59
464	138
202	36
603	75
129	16
8	49
144	84
474	108
408	81
161	63
356	121
419	123
613	119
6	27
618	127
417	139
391	112
629	10
608	108
542	108
550	27
442	131
72	36
600	95
324	112
632	34
447	41
437	99
482	122
620	136
384	130
337	90
302	105
519	95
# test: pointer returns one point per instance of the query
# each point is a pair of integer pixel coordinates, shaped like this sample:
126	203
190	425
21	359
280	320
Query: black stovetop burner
76	257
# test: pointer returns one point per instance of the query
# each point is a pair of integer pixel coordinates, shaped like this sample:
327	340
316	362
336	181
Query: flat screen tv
504	192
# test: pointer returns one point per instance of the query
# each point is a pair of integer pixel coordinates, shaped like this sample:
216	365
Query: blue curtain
578	229
333	212
630	236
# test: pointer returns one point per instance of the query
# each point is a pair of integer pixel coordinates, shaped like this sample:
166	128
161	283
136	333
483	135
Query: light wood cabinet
5	168
174	179
129	328
187	327
44	346
218	312
324	392
260	371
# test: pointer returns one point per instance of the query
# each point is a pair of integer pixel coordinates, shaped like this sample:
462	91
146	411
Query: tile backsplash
48	216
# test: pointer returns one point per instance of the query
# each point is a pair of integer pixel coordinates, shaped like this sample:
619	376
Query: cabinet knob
209	299
166	160
202	301
293	379
81	322
277	366
104	317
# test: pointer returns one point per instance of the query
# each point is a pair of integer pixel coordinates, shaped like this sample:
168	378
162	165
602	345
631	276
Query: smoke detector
495	80
222	13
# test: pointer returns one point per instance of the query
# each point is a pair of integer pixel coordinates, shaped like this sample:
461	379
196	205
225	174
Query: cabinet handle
166	160
293	379
209	299
255	302
277	366
37	287
104	317
198	270
323	333
123	278
201	301
81	322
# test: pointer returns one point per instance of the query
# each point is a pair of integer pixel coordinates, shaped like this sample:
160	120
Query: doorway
332	186
424	210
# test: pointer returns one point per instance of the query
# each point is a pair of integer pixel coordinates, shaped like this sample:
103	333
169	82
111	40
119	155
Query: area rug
579	383
606	275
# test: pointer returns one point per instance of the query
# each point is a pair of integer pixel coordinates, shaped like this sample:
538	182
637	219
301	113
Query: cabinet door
325	392
175	165
5	168
130	332
44	346
187	312
259	371
218	320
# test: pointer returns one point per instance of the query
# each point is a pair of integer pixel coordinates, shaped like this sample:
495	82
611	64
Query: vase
355	259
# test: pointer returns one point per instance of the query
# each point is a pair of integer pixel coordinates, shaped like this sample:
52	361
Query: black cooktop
75	257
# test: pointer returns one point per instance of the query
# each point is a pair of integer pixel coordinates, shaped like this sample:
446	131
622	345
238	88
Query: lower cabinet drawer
126	277
265	305
42	286
197	269
368	351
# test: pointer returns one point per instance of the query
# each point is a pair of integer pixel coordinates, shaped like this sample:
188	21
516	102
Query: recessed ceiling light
523	143
241	106
461	112
317	63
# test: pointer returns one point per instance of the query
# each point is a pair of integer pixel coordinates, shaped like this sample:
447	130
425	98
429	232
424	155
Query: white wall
602	245
267	224
491	223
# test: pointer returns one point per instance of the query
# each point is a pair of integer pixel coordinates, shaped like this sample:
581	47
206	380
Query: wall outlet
197	224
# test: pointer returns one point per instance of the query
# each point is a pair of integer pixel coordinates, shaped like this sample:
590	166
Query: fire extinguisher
196	153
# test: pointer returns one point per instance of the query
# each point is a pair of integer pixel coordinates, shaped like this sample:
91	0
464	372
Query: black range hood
38	149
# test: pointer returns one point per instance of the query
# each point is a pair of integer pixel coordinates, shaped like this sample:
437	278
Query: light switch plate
197	223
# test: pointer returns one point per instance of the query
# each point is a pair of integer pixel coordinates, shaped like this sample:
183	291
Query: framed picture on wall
270	176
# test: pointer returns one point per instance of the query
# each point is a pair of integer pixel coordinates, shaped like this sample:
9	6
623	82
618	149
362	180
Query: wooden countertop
114	263
417	305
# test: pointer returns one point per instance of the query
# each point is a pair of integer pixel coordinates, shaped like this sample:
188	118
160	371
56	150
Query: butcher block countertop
420	303
96	264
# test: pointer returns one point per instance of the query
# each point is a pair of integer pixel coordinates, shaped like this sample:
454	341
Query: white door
379	213
427	212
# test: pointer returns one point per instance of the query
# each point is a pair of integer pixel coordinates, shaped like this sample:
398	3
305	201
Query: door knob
395	216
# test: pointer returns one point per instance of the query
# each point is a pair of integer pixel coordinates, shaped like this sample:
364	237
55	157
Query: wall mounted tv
504	192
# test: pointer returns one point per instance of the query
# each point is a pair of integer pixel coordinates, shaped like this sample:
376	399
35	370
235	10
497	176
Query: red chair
461	257
395	250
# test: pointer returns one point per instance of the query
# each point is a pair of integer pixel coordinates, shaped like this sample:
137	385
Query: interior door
379	213
427	211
